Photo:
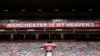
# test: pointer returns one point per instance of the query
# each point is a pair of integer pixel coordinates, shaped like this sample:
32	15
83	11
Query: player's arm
54	45
42	46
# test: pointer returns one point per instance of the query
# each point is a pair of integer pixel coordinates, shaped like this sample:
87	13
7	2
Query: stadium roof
32	8
49	4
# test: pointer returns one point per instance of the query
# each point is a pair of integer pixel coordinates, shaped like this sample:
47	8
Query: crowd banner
46	25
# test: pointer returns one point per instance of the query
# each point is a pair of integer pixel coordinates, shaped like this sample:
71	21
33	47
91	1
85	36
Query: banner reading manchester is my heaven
46	25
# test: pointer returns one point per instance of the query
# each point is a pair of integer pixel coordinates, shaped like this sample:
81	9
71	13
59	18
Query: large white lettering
34	25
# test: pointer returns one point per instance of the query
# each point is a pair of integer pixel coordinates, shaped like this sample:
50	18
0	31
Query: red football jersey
49	47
